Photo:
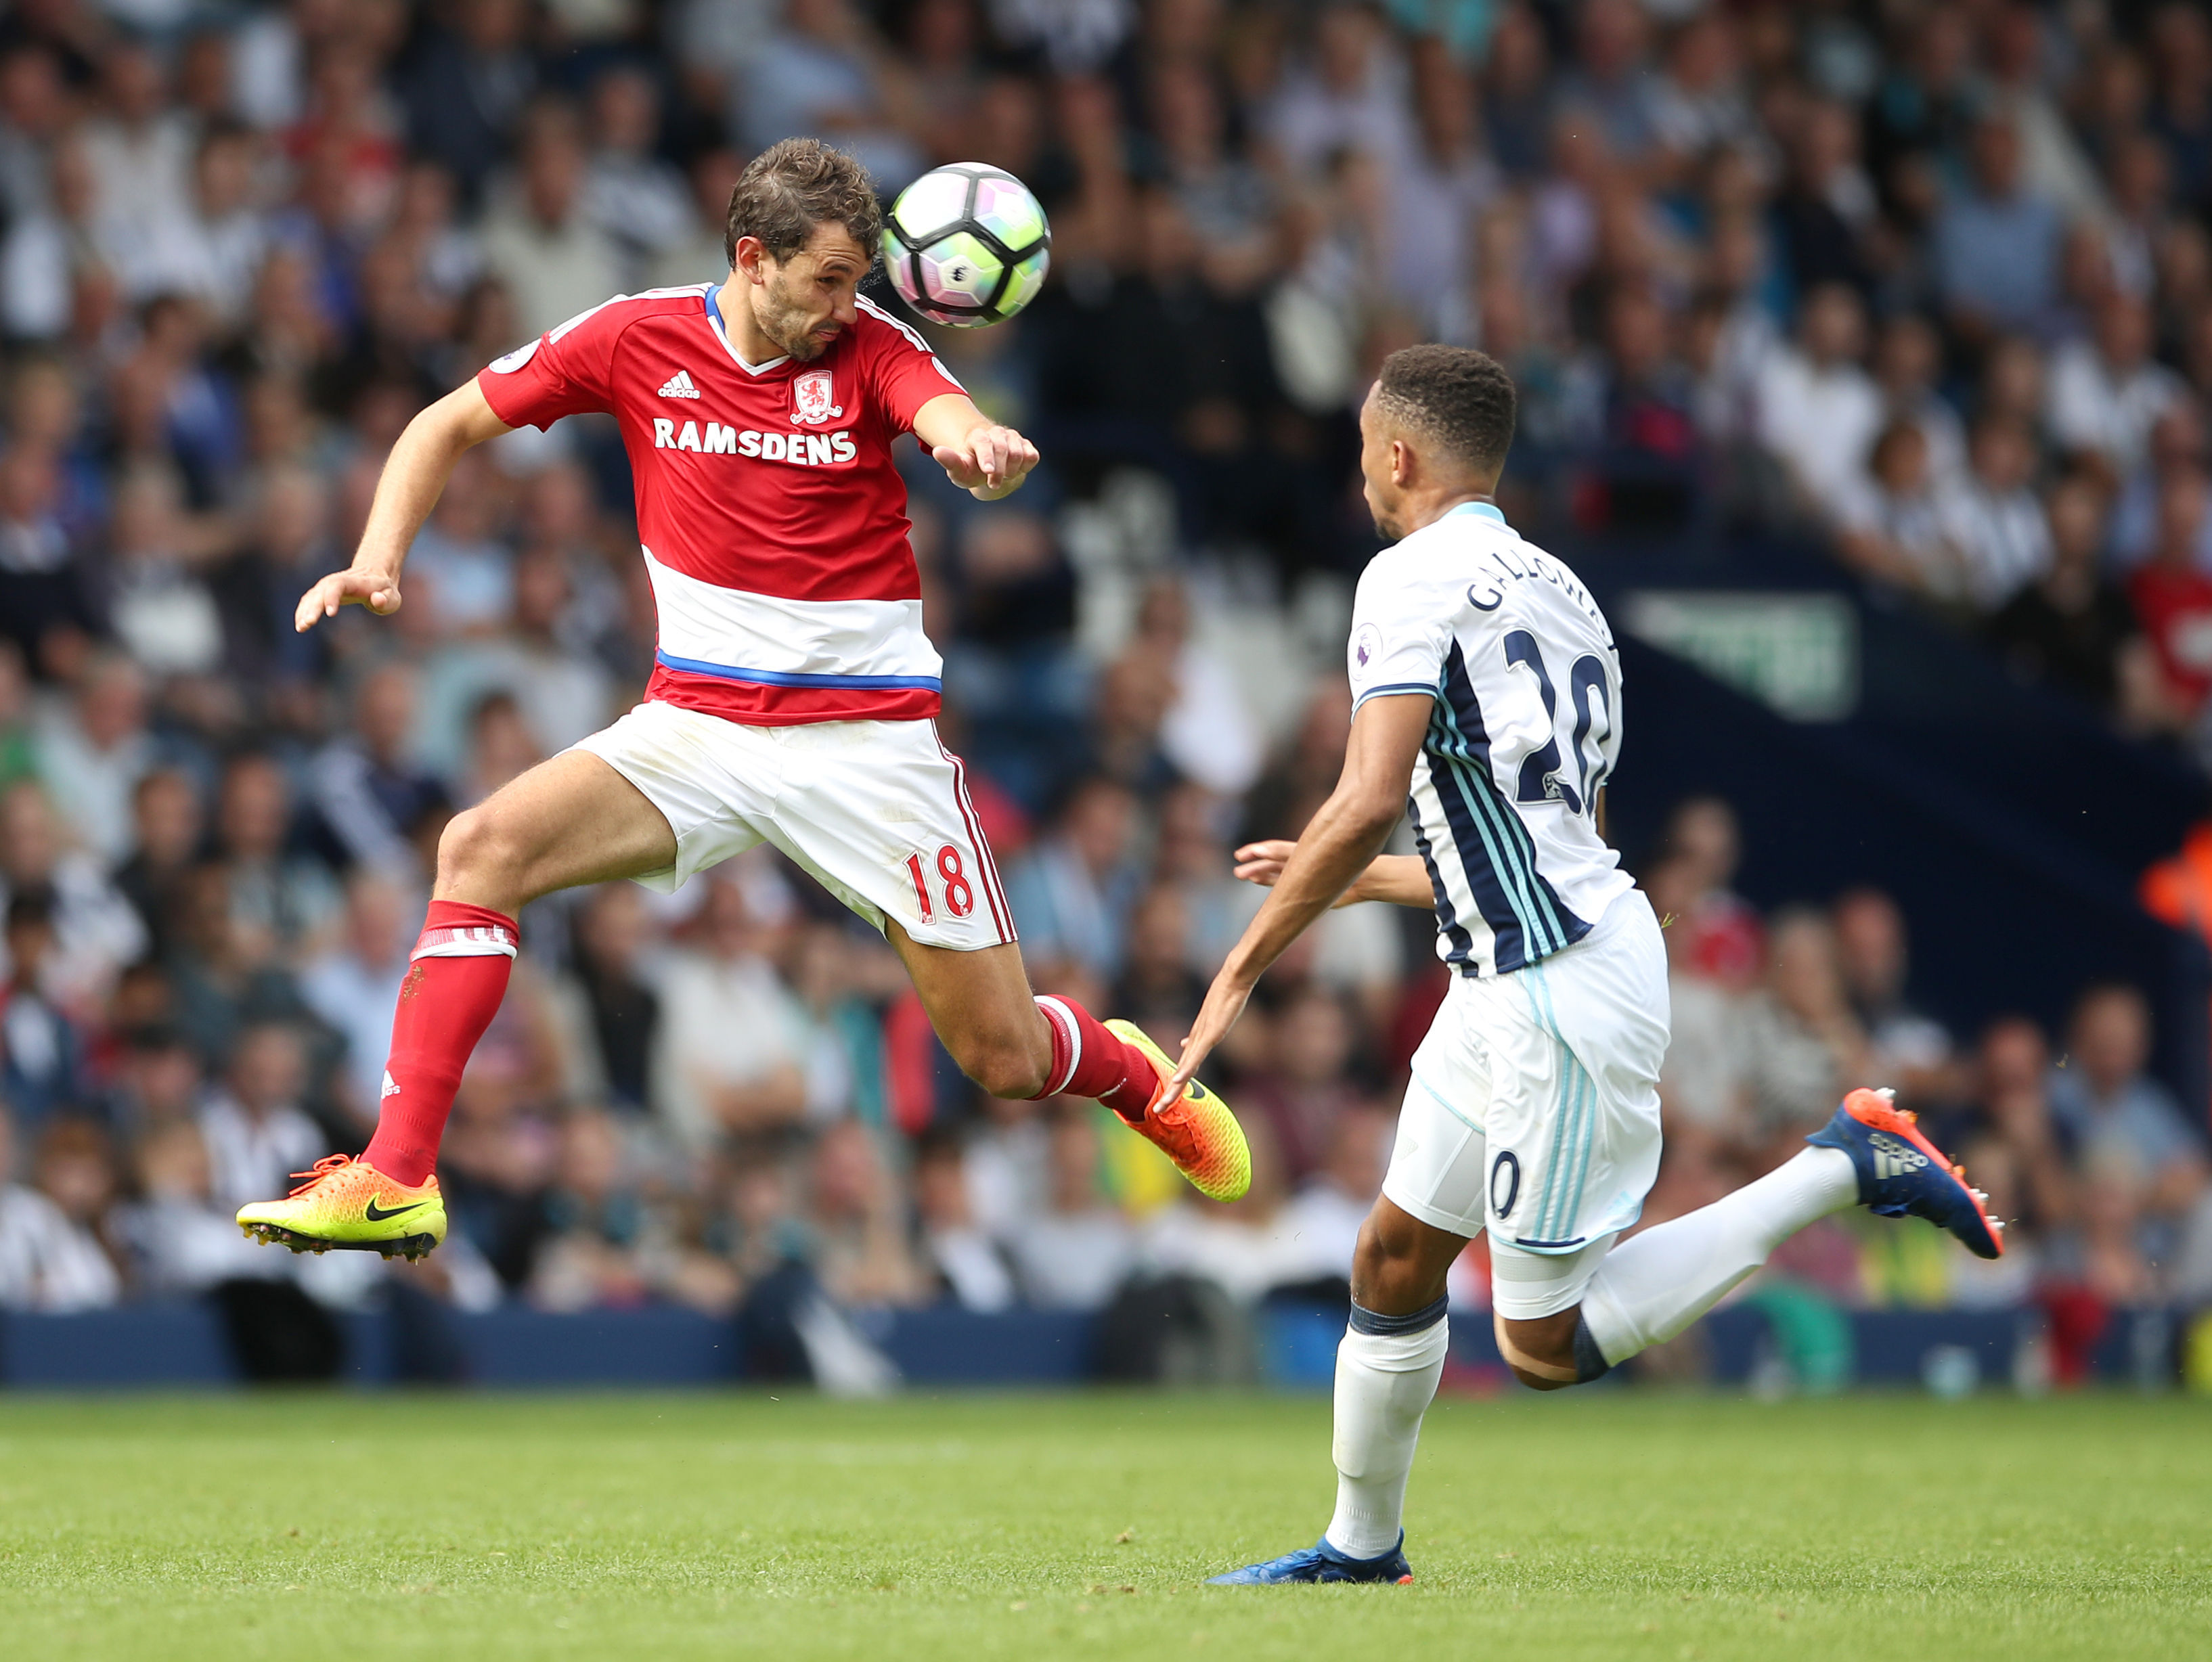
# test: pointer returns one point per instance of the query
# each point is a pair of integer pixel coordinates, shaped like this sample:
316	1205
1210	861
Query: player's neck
1424	508
739	329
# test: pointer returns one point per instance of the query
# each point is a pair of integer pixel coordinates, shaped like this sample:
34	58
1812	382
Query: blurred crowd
1929	284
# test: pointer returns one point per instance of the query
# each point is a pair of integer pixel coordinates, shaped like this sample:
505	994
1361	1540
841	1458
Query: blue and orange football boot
1322	1562
1196	1130
349	1204
1903	1174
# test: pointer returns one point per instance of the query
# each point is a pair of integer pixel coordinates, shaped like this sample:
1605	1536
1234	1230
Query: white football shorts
877	812
1534	1110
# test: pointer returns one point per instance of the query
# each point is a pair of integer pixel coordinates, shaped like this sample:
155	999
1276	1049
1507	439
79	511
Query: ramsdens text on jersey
718	439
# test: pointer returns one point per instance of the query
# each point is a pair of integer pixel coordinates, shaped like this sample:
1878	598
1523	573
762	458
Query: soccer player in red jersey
793	694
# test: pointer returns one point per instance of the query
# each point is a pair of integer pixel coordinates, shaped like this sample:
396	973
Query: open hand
378	591
989	463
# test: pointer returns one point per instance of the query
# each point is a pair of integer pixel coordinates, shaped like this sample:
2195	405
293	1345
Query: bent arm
985	459
413	477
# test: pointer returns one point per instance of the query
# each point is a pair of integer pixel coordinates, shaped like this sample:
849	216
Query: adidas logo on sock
678	386
391	1085
1894	1159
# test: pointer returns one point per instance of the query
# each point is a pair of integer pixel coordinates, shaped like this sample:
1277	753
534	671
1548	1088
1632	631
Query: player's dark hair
1455	395
791	188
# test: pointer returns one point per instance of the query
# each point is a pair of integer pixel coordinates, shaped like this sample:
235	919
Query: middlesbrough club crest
812	401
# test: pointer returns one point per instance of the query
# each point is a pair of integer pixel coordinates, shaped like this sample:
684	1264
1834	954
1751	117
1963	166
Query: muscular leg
999	1033
981	1005
1386	1370
1651	1287
569	820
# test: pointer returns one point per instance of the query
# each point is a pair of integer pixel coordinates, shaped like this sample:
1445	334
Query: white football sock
1653	1285
1383	1385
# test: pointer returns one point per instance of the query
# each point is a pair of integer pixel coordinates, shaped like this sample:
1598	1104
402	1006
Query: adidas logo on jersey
1892	1158
678	386
391	1085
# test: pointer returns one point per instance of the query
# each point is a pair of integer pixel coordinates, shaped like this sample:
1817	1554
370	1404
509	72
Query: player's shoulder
875	327
617	312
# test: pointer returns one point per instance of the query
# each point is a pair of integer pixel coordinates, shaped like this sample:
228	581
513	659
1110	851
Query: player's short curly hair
1455	395
791	188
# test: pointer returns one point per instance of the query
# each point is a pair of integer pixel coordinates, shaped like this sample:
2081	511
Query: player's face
1377	459
805	302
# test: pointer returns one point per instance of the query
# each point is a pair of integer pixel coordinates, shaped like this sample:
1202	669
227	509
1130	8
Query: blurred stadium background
1865	349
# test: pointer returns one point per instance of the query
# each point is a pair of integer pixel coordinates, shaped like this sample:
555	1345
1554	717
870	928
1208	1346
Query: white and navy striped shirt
1526	728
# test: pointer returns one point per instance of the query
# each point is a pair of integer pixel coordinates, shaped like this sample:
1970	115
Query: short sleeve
568	371
904	374
1398	640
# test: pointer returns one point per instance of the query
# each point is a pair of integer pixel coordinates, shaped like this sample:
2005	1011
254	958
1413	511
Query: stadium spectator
1070	891
42	1061
1910	1050
370	799
969	1266
1803	1045
2172	595
258	1136
2104	1101
1992	517
2106	391
2073	626
352	986
53	1257
1819	410
731	1054
616	1030
1073	1253
1996	241
599	1246
96	930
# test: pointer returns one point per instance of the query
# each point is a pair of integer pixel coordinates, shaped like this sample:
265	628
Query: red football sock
451	991
1088	1061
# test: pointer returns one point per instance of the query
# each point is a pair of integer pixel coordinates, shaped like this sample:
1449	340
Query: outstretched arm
1398	879
414	476
1337	846
985	460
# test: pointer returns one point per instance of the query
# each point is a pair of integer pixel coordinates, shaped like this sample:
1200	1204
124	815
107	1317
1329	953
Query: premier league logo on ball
811	397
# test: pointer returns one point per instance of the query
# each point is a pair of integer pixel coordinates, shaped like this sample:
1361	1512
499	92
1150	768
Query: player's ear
1402	462
752	258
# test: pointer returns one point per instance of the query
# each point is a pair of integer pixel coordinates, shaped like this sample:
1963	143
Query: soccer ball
967	245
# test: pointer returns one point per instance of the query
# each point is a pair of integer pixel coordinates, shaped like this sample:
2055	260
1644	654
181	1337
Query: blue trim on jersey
792	678
1391	689
1495	861
1462	943
1495	848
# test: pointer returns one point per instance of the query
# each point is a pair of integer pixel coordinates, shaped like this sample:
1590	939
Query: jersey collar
715	323
1480	511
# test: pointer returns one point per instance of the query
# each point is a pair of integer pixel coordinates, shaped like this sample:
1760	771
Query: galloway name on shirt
801	449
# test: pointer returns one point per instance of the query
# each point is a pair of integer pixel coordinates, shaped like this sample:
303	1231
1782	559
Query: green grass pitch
1615	1525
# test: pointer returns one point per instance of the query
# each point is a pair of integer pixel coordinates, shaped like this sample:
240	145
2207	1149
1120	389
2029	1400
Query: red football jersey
771	517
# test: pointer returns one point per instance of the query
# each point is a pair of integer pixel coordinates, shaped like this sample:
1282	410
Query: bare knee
1399	1264
481	856
1003	1065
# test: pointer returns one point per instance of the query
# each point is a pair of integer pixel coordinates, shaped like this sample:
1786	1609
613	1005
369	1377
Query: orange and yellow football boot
350	1205
1196	1130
